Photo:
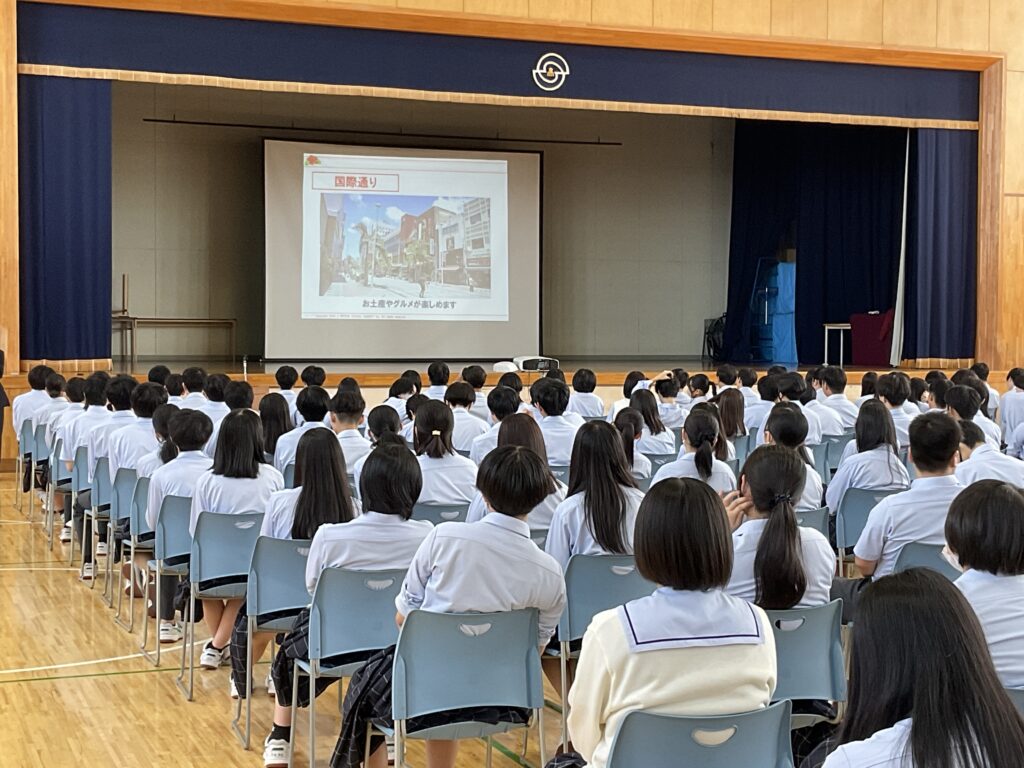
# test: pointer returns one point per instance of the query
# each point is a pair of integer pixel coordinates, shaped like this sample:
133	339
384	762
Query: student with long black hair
240	481
630	424
867	388
633	378
787	426
871	460
731	407
276	418
448	478
923	691
379	422
599	512
655	438
777	564
697	459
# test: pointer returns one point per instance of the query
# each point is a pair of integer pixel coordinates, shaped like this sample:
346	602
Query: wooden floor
75	692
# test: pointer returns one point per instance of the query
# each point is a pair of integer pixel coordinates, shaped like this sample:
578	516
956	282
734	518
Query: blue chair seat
170	570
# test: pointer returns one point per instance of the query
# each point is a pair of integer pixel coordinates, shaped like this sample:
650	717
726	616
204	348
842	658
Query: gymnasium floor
74	691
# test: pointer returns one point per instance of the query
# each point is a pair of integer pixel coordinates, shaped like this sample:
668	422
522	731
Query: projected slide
393	238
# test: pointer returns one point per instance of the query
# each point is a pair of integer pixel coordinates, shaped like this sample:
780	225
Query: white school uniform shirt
721	479
886	749
484	444
863	399
585	404
175	400
559	435
99	437
1011	411
436	391
672	415
216	410
986	463
25	406
642	466
129	444
915	515
407	432
178	477
397	404
617	406
484	567
993	436
813	425
195	401
901	420
569	534
663	442
60	418
998	602
280	513
755	414
290	396
234	495
76	432
819	563
830	422
48	410
467	428
750	396
354	446
993	400
288	445
448	480
813	494
480	409
371	542
540	516
876	470
1015	445
151	462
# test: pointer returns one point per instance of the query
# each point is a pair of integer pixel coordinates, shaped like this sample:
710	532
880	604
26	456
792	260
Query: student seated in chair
476	377
964	403
461	398
448	478
383	420
286	377
551	397
697	458
502	402
787	426
347	408
980	461
630	425
583	401
312	404
400	391
656	437
438	373
871	461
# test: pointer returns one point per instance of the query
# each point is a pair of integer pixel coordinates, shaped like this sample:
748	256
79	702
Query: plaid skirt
567	760
368	701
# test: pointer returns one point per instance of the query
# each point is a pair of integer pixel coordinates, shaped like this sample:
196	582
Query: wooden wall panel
1010	327
628	13
9	323
962	24
743	17
431	5
1006	31
800	18
909	22
514	8
560	10
855	20
1013	182
695	15
990	204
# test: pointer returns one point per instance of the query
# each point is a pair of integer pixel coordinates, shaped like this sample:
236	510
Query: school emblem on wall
550	72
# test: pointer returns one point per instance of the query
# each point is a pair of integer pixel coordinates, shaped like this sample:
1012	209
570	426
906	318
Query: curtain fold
64	157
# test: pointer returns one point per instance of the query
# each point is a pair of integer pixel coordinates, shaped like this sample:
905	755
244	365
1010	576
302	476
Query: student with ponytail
724	449
787	426
167	450
655	438
448	478
630	424
701	388
697	459
777	564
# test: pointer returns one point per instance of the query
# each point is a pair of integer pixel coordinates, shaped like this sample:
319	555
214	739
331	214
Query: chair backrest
58	470
539	536
918	555
277	579
101	486
852	515
223	544
819	453
289	475
594	418
341	595
122	494
1017	697
561	473
463	660
172	536
80	471
595	583
465	454
659	460
741	443
441	513
757	739
26	438
643	483
836	445
809	651
816	519
137	510
39	449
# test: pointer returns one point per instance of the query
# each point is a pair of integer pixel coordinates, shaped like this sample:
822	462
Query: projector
534	363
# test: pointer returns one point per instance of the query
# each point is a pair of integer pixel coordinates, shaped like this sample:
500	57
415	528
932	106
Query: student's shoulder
269	472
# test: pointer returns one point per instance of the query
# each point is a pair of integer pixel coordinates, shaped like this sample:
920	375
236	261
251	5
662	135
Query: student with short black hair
44	415
158	374
487	566
923	691
438	374
655	438
127	445
551	397
583	401
286	377
401	389
813	401
918	388
697	458
502	402
312	404
980	461
683	399
727	375
985	540
411	406
787	426
748	380
240	481
175	386
964	403
448	478
460	397
667	389
1011	404
276	419
415	378
689	648
871	461
24	407
384	537
893	391
630	424
791	387
193	384
754	414
215	389
981	370
833	386
313	376
701	388
74	394
476	377
237	394
382	421
347	410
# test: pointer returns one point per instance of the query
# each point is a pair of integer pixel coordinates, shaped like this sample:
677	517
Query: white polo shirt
47	412
916	515
234	495
288	445
467	428
25	406
354	446
448	480
813	494
585	404
372	542
672	415
127	445
641	465
60	418
484	444
750	396
722	478
993	401
831	423
98	438
663	442
876	470
480	409
993	435
216	410
901	420
813	425
436	392
484	567
539	517
76	432
195	401
885	749
397	404
999	603
559	435
755	414
819	563
178	477
1015	446
280	514
986	463
1011	411
569	534
151	462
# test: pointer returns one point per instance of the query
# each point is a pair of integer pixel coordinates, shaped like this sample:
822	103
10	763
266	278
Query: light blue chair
121	494
809	652
441	513
275	594
836	445
79	483
222	549
560	472
1017	697
461	660
539	536
594	418
26	444
137	527
644	483
289	475
734	465
60	480
918	555
464	454
742	445
659	460
102	493
172	542
852	516
757	739
819	455
593	583
816	519
341	595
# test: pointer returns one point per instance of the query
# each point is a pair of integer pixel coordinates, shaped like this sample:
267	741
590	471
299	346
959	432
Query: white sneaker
275	753
271	688
232	688
211	658
65	535
68	524
170	633
101	549
87	572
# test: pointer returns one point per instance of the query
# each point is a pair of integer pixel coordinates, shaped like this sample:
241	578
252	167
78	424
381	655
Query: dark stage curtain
64	151
833	192
942	235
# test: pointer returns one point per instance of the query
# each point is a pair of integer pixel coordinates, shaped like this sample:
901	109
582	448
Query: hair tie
436	433
782	497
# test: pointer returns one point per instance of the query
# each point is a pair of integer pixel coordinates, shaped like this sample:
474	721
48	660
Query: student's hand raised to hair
663	376
736	508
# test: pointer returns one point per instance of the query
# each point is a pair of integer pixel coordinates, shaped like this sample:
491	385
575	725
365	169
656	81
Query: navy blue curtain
834	193
64	178
942	238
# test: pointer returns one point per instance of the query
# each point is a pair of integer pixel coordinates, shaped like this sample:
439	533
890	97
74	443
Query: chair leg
540	736
295	712
108	567
188	650
490	751
564	661
19	473
312	715
86	531
31	488
153	658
